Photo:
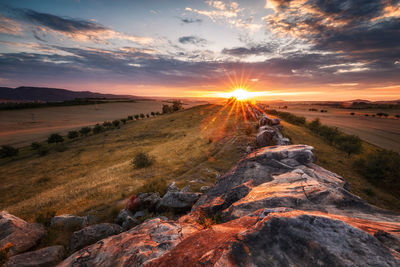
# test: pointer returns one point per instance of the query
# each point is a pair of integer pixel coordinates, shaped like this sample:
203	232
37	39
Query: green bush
115	123
98	129
72	134
55	138
8	151
142	160
35	145
381	168
85	131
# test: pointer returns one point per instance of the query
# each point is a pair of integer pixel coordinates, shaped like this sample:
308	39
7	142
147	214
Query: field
22	127
382	132
91	174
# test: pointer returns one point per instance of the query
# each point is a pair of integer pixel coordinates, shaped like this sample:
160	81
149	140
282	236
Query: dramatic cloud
9	26
188	20
245	51
192	40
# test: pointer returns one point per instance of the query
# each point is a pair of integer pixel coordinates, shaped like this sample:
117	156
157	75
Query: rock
127	220
69	222
204	188
19	234
136	247
265	138
172	187
266	120
148	201
283	141
45	257
92	234
178	201
390	241
248	149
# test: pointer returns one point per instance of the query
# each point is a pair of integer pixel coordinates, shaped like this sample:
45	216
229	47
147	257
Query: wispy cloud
192	40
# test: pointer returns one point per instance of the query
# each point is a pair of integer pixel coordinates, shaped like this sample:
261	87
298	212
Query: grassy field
22	127
337	161
92	174
382	132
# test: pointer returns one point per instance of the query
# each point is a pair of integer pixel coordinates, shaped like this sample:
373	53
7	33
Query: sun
240	94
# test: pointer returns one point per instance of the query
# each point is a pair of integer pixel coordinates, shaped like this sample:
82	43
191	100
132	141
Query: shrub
85	130
166	109
43	151
136	116
352	113
158	113
72	134
397	116
123	121
141	115
98	129
381	167
8	151
289	117
142	160
153	113
115	123
35	145
381	114
107	124
130	118
55	138
147	115
350	144
177	105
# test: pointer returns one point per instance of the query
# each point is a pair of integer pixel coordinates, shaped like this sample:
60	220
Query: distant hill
44	94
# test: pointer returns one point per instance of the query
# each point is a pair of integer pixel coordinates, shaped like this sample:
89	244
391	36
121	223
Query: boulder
92	234
133	203
149	201
204	188
69	222
178	201
45	257
18	234
266	120
127	220
265	138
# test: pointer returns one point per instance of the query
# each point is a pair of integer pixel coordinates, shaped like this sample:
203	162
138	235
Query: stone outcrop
92	234
275	208
45	257
177	200
18	234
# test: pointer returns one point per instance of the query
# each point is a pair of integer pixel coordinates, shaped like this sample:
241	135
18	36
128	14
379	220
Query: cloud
76	29
246	51
9	26
189	20
192	40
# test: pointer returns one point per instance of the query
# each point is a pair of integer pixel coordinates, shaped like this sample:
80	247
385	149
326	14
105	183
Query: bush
166	109
72	134
115	123
43	151
107	124
35	145
98	129
147	115
123	121
130	118
142	160
153	113
141	115
8	151
352	113
382	168
350	144
85	130
55	138
289	117
176	105
158	113
136	116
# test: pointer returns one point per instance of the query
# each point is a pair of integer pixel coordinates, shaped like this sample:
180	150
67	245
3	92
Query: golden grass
95	172
337	161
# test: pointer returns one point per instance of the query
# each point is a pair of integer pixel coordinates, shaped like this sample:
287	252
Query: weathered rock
45	257
18	233
132	203
91	234
265	138
149	201
127	220
204	188
266	120
133	248
178	201
69	222
390	241
172	187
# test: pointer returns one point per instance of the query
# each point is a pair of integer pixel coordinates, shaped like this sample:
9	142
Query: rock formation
274	208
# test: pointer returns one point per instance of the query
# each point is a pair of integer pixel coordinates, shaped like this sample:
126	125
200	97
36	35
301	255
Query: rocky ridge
274	208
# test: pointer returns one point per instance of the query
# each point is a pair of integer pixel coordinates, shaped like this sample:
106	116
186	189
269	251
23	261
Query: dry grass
90	175
337	161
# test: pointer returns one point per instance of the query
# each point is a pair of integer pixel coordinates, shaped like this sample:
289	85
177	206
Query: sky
279	49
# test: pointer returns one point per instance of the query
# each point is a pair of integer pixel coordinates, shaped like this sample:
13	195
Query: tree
136	116
55	138
147	116
166	109
115	123
85	130
351	144
141	115
98	129
177	105
72	134
8	151
107	124
130	117
123	121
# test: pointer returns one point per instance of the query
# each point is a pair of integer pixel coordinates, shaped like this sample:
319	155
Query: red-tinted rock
132	203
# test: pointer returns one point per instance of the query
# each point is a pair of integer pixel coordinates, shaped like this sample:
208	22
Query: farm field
24	126
193	147
382	132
